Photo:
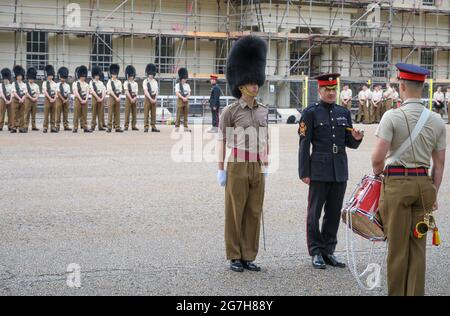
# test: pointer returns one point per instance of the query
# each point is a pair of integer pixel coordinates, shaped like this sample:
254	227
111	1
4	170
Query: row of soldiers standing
19	99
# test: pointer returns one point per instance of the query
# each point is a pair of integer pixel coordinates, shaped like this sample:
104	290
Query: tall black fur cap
82	71
183	73
150	69
63	73
130	71
97	71
6	74
49	71
31	73
114	69
246	63
19	71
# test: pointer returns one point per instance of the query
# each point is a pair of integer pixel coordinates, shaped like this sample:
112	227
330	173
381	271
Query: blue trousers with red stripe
330	197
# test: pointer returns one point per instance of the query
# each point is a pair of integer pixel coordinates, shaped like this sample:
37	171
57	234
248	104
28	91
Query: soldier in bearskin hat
80	90
244	177
132	94
49	87
6	98
62	102
151	90
19	98
183	92
33	92
114	90
98	92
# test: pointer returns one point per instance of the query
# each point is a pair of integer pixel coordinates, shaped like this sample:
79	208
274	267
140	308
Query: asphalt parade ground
116	214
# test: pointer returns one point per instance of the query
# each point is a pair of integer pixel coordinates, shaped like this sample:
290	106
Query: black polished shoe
318	262
248	265
35	129
87	130
75	131
119	130
108	130
101	129
333	261
1	129
23	130
125	129
54	130
155	130
45	131
67	129
13	130
146	130
236	266
135	129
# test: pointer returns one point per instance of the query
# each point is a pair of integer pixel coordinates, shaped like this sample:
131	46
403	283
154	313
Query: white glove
222	177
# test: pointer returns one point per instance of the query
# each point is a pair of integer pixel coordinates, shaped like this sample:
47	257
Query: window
164	49
380	64
101	51
428	2
37	50
221	56
427	59
298	67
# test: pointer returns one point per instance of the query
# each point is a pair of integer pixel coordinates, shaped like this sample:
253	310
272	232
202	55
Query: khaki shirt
35	88
8	89
389	93
186	87
244	128
84	88
118	86
377	95
66	88
439	96
362	96
22	88
346	94
134	87
153	84
53	87
393	128
99	85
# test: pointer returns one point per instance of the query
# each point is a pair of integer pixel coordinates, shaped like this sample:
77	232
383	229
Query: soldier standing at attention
151	90
183	92
62	102
19	97
377	103
132	94
49	87
362	102
6	99
81	96
408	191
447	100
98	93
33	92
346	97
244	178
388	97
214	104
114	90
439	101
326	126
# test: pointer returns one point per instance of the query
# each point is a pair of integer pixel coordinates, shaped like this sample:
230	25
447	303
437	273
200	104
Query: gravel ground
136	222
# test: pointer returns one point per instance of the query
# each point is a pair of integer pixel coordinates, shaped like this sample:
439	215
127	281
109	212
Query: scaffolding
300	44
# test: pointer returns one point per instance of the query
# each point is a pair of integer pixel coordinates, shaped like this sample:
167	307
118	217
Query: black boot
318	262
333	261
155	130
248	265
236	266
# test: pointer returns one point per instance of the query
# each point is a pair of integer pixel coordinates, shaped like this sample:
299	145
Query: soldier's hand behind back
306	181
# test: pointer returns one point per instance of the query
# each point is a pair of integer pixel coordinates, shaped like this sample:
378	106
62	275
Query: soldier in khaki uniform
183	92
81	97
114	90
244	178
346	97
49	88
377	104
447	100
62	101
6	99
131	98
151	90
388	97
362	104
19	97
33	92
408	191
439	102
98	93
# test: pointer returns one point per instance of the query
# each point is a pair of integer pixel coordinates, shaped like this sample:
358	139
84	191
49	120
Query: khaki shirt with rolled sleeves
53	87
439	96
132	87
8	88
118	86
388	94
22	88
369	94
346	94
66	88
377	96
99	86
35	89
186	87
393	128
245	128
153	85
84	88
362	95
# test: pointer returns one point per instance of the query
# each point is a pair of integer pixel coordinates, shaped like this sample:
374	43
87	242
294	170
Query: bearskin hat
130	71
19	71
6	74
31	73
246	63
96	71
114	69
49	71
63	73
183	73
82	71
150	70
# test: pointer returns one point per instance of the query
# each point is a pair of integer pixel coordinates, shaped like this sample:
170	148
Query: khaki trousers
130	108
360	114
6	109
113	113
244	197
182	108
49	111
98	113
79	115
376	116
149	108
368	112
18	110
401	208
30	111
62	108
